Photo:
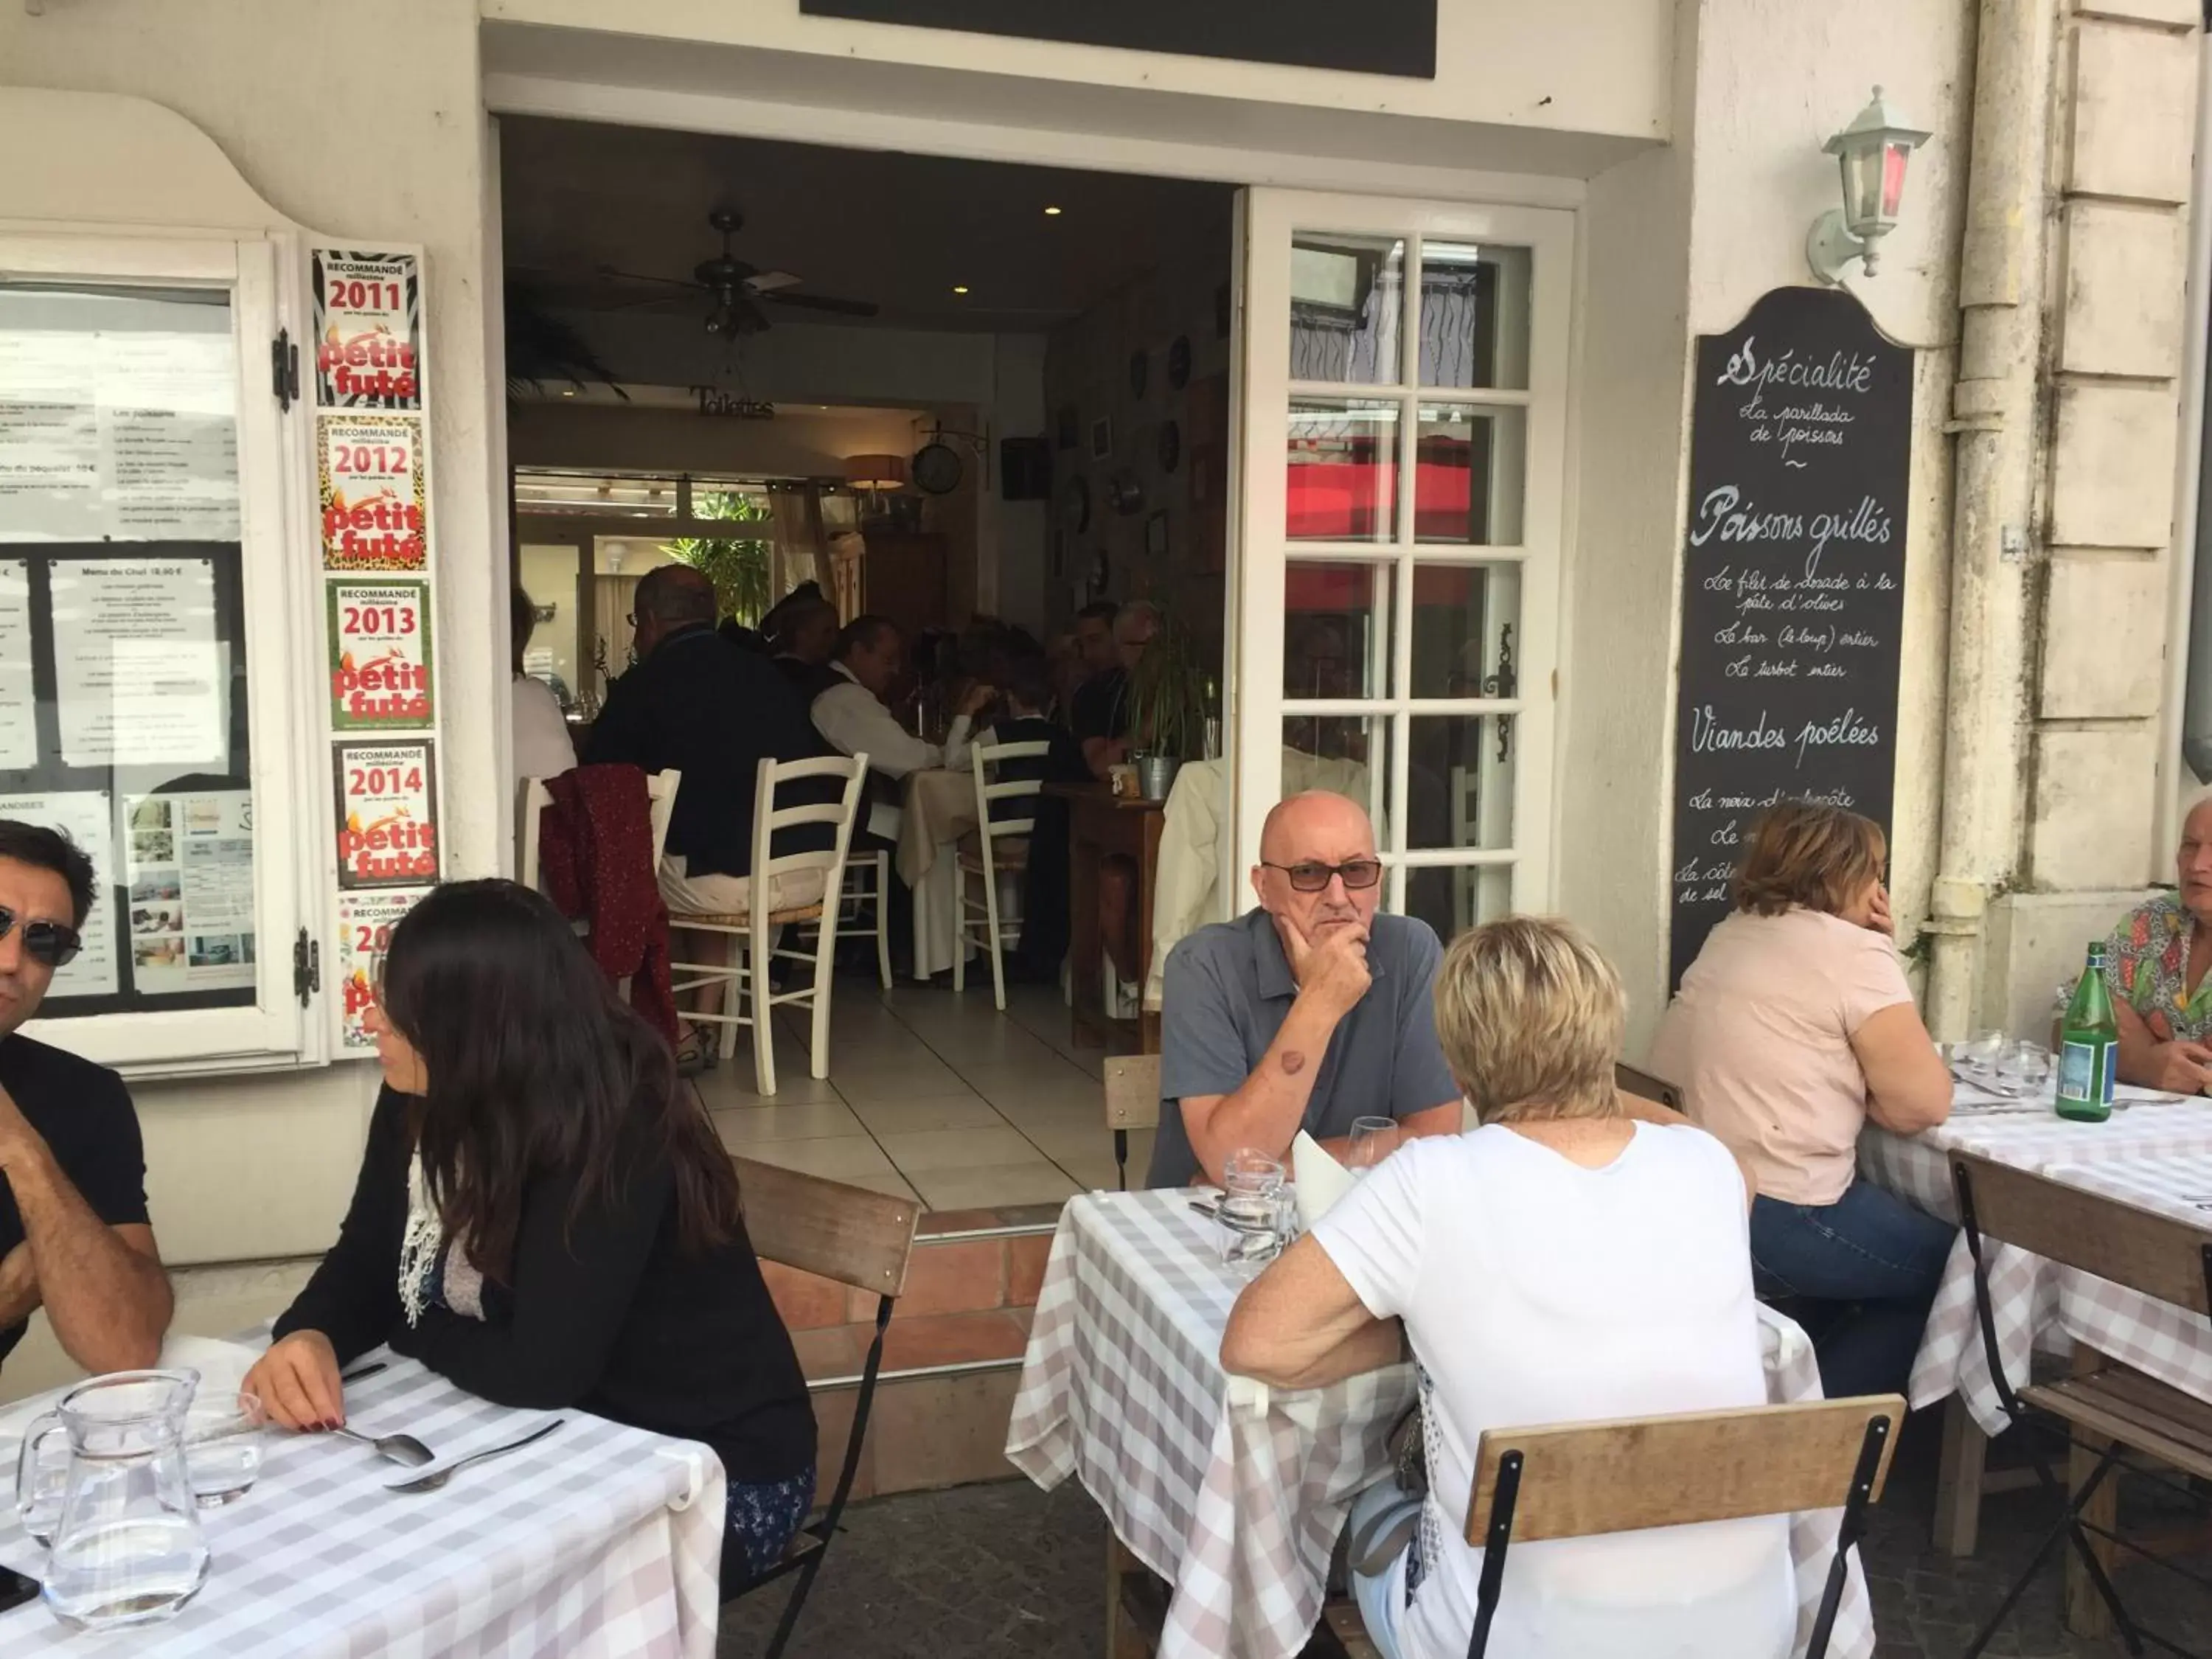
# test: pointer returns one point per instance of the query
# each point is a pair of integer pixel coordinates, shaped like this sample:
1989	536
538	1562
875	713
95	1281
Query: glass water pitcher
125	1546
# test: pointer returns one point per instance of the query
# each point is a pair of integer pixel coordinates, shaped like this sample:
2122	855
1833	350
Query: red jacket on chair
595	859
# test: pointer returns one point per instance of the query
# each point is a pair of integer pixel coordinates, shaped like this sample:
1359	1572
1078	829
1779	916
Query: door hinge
284	369
307	967
1503	683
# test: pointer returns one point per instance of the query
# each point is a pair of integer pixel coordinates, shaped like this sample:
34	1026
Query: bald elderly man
1307	1012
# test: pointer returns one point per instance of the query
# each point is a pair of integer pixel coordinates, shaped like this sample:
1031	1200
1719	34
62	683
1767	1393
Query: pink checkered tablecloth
1233	1493
598	1540
2036	1302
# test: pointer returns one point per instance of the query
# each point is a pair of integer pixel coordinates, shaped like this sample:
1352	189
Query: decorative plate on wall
1179	363
1138	363
1169	445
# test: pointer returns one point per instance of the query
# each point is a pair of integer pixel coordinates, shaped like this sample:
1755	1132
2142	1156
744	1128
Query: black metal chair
1642	1084
856	1237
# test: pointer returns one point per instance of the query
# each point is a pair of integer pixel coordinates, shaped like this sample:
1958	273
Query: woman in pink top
1793	1027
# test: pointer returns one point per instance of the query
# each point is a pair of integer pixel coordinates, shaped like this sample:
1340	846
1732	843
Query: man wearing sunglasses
1307	1012
73	1235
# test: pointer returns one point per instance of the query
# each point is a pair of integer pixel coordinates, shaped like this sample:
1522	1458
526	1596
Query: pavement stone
1000	1571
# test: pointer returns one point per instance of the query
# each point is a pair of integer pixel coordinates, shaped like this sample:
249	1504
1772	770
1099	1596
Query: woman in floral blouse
2154	968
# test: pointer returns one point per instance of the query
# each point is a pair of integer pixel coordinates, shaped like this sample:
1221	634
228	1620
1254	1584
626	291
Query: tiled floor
932	1095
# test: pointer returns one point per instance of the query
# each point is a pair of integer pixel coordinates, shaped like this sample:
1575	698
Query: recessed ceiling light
959	288
569	392
1052	213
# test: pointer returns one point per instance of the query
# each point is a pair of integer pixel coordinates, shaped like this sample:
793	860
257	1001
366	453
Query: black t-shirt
84	1114
1101	707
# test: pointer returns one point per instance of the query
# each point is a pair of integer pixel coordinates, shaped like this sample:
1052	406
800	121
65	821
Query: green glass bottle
2089	1046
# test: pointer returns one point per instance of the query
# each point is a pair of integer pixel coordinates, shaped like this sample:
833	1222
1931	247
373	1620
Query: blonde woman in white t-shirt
1563	1261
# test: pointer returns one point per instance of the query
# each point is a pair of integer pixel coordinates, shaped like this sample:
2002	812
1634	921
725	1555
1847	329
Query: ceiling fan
732	287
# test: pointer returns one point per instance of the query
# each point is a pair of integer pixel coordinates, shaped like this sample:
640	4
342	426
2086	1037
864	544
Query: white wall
799	443
1761	87
242	1168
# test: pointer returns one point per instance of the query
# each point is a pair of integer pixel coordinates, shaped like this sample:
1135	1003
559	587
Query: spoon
438	1478
399	1448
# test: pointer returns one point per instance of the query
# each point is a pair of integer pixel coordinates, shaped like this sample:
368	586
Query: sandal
695	1052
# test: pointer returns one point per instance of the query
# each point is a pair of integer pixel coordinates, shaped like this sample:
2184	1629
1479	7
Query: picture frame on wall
1156	535
1102	438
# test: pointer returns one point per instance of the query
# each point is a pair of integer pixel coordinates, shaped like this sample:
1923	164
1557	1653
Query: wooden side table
1101	825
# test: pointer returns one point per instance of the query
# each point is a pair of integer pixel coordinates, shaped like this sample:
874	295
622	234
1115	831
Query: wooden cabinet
905	579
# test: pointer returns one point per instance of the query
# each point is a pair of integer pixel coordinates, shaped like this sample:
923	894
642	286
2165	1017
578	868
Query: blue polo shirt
1227	990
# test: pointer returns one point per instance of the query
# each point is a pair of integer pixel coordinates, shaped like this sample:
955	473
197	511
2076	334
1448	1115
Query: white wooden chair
1002	848
754	931
868	882
660	788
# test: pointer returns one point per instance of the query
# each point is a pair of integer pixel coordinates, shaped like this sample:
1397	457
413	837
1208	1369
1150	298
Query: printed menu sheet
19	724
387	814
140	677
117	416
83	815
365	925
189	861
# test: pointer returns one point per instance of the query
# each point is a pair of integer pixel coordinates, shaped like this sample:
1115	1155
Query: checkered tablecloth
2177	1187
2035	1303
1233	1493
598	1540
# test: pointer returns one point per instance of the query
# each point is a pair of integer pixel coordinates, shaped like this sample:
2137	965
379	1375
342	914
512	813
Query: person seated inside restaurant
75	1237
806	639
2154	968
854	718
1307	1012
1100	718
546	1217
697	705
1793	1027
543	747
1563	1262
1025	688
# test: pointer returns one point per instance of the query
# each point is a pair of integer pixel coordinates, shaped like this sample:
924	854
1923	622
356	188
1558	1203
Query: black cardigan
603	1312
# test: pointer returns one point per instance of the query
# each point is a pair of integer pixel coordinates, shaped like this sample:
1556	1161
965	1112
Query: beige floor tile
929	1150
1095	1171
1074	1116
1039	1182
731	1083
748	1126
835	1158
896	1117
883	1183
1060	1139
1071	1092
865	1085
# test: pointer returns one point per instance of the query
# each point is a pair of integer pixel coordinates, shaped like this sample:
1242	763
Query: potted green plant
1167	707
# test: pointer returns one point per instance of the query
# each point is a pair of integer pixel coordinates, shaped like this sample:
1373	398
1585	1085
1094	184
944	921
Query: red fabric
595	860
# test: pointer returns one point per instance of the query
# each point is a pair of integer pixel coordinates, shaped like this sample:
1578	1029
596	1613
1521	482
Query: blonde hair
1530	1016
1822	858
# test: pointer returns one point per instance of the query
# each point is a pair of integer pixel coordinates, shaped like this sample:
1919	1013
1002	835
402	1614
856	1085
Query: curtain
795	525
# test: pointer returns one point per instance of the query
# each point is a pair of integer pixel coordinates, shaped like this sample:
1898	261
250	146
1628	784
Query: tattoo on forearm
1293	1062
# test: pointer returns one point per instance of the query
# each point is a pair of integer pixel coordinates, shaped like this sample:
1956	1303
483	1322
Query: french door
1394	602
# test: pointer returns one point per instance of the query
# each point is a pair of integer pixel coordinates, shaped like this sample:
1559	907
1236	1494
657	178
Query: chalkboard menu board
1793	583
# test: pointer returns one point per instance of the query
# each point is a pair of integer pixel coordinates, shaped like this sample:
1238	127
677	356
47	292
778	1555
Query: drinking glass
2023	1068
222	1446
1373	1139
1251	1210
1977	1057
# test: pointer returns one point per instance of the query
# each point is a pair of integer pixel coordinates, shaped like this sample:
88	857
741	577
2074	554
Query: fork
437	1478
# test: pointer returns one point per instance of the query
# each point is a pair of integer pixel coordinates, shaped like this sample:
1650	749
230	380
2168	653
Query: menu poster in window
19	723
83	815
140	677
188	862
365	925
369	330
1793	583
387	814
375	514
117	415
380	646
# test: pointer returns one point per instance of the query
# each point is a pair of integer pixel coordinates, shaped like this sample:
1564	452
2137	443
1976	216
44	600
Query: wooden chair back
856	1236
769	819
1644	1086
2160	1255
1580	1480
1133	1091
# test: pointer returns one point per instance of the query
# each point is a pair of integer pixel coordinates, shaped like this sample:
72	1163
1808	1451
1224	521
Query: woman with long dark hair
544	1216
